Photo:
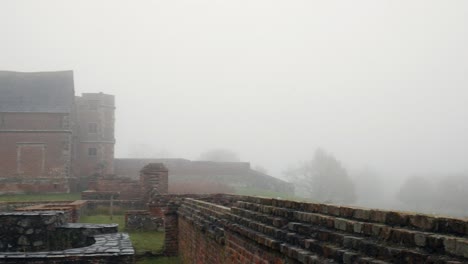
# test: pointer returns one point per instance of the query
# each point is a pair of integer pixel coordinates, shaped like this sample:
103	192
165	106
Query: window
2	120
92	152
92	128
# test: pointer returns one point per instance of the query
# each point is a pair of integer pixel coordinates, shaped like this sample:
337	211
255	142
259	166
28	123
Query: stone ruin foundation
46	237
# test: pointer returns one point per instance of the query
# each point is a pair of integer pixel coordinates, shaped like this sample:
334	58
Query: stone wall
28	231
106	249
45	237
262	230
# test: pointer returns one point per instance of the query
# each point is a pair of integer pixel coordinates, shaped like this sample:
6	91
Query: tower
95	138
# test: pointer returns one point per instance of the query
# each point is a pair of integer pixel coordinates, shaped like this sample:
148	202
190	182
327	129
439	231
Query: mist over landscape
377	90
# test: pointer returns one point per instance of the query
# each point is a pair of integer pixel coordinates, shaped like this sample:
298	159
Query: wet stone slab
106	245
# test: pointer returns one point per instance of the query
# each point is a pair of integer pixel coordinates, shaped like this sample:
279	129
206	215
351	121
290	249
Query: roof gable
50	92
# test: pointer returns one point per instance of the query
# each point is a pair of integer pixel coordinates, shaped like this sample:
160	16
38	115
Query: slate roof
46	92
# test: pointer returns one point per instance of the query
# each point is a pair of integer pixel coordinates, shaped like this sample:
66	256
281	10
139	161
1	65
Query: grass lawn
104	219
40	197
160	260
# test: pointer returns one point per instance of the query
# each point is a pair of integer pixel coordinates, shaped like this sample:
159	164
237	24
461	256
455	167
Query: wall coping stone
87	226
116	244
30	213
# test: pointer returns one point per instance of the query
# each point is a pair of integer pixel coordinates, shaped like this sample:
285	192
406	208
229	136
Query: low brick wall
122	205
262	230
73	210
129	189
18	185
99	195
11	206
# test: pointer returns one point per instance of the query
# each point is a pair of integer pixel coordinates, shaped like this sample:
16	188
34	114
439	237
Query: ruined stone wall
45	237
262	230
28	231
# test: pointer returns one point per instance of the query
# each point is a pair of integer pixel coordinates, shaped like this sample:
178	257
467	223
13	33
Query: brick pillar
171	231
153	179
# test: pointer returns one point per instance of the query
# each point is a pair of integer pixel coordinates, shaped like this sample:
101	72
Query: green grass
40	197
105	219
159	260
151	241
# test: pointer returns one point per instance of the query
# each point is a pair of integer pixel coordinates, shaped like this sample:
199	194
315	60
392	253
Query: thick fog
381	85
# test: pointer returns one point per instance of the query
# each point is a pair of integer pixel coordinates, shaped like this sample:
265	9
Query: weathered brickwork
196	247
35	161
262	230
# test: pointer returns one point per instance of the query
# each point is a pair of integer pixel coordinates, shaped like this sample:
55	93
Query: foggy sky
380	84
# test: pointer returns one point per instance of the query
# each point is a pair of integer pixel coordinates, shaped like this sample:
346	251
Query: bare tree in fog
323	179
416	194
448	195
220	155
369	188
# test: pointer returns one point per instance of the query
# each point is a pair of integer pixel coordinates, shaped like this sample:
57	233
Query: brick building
52	140
49	137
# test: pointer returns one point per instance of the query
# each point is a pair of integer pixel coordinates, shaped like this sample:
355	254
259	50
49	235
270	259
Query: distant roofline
35	72
183	159
33	92
98	93
35	112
